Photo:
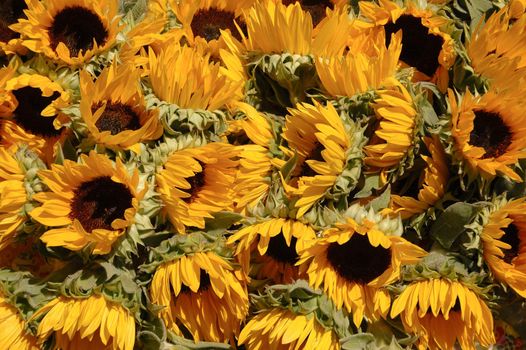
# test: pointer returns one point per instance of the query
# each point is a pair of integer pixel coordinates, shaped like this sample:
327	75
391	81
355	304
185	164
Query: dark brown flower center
357	260
208	23
98	202
78	28
420	49
27	114
204	283
511	237
280	251
116	118
316	8
314	154
491	133
10	12
197	182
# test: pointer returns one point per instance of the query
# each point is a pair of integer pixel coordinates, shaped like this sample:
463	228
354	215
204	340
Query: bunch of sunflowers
262	174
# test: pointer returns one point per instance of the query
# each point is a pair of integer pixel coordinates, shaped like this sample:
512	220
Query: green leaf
357	341
371	182
451	224
382	201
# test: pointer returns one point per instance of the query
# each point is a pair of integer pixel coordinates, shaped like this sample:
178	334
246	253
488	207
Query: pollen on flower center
116	118
280	251
98	202
420	49
10	12
27	114
316	8
196	182
78	28
204	283
357	260
208	23
491	133
511	237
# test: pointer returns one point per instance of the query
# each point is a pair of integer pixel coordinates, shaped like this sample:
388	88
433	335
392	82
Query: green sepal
368	341
23	291
175	342
181	245
280	80
110	278
178	121
300	298
452	222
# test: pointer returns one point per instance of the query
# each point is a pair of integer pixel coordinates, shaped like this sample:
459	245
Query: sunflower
275	244
92	322
282	329
114	110
504	243
13	328
341	262
255	162
322	143
431	185
488	134
425	46
441	312
70	31
10	12
12	198
31	106
196	83
396	129
91	203
203	21
363	71
202	294
273	27
495	49
198	182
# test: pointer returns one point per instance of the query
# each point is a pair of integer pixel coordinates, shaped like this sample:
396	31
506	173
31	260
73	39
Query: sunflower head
88	322
195	269
325	145
271	247
114	110
253	180
204	22
13	327
398	123
502	229
69	31
197	83
11	11
412	196
340	262
12	199
198	182
442	312
494	49
363	71
89	204
426	46
488	134
30	106
301	318
273	27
